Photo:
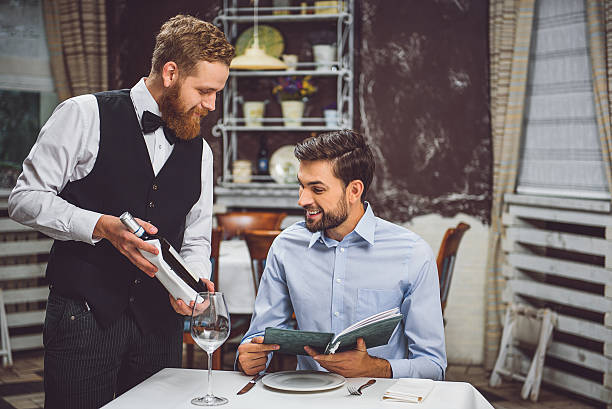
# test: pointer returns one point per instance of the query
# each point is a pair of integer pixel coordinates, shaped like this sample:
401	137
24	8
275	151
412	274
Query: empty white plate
303	381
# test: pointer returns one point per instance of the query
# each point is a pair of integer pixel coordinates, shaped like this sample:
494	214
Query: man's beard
185	124
330	219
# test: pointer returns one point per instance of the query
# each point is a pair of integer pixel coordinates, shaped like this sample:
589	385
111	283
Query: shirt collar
365	228
143	100
313	239
367	225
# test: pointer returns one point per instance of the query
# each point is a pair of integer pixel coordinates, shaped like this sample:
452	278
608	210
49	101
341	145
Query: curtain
510	28
599	22
76	35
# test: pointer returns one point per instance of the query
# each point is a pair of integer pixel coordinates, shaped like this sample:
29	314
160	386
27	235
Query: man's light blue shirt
331	285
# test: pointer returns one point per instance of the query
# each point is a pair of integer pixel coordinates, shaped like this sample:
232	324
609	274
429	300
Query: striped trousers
86	366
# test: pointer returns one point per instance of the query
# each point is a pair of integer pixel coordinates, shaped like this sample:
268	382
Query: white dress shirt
66	151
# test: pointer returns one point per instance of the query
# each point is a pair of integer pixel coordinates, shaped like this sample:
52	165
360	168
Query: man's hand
253	355
113	230
353	364
179	305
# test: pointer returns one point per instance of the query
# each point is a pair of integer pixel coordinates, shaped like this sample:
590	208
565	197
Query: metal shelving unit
274	195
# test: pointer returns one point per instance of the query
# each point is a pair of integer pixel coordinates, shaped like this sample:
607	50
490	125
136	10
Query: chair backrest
234	224
259	242
446	258
215	241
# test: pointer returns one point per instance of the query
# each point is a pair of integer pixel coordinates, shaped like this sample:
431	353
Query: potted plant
253	104
292	92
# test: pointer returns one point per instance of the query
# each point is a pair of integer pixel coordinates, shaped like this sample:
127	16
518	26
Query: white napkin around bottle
173	283
409	390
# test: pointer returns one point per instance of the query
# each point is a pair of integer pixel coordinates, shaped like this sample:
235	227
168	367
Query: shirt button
338	280
132	298
151	204
336	313
137	281
155	187
159	146
342	249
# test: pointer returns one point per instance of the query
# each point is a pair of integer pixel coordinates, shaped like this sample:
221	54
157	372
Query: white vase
331	117
324	56
242	171
253	112
291	60
293	111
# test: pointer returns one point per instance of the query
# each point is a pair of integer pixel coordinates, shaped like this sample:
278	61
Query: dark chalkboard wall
421	91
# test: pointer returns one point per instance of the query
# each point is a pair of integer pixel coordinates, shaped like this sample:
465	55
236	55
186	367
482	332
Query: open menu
376	330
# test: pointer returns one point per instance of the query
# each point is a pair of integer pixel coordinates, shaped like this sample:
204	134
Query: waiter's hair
187	40
350	156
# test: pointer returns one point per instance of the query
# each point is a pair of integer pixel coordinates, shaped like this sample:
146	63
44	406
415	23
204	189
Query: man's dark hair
349	154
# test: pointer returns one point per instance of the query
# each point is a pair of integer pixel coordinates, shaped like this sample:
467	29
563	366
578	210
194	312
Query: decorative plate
270	40
284	165
303	381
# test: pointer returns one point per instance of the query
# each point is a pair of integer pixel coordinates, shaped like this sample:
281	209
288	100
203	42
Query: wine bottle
169	254
262	157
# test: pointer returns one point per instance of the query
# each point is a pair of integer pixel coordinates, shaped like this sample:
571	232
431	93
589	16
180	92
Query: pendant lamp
255	58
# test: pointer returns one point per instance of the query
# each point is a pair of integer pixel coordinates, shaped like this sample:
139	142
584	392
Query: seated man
344	264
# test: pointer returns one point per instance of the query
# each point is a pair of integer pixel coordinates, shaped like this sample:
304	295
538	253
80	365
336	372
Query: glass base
209	400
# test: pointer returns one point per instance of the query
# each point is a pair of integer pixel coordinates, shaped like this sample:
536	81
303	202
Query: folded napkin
409	390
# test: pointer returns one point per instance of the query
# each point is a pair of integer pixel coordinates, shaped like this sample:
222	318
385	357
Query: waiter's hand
113	230
179	305
253	355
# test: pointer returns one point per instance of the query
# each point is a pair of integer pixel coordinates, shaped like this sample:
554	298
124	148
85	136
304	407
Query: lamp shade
254	58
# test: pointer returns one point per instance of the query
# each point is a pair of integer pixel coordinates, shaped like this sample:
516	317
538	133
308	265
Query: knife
250	385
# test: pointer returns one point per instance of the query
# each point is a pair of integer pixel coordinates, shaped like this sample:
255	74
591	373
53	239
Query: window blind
561	152
24	57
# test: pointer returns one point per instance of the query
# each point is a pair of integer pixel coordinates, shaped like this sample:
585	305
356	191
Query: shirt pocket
372	301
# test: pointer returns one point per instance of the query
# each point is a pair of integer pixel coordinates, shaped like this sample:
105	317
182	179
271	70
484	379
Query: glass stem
209	374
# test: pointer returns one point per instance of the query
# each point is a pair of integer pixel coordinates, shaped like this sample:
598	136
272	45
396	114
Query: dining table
174	388
235	276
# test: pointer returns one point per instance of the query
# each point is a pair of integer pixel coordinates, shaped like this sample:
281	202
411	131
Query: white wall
465	307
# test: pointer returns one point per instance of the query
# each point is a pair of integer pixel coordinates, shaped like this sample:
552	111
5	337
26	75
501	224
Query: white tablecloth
174	388
235	277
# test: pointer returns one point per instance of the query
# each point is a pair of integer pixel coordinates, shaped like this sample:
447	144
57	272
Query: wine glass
210	327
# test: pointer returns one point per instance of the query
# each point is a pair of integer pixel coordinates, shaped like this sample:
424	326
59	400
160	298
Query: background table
235	277
174	388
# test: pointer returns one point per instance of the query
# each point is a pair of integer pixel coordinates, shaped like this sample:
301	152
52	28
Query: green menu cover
375	331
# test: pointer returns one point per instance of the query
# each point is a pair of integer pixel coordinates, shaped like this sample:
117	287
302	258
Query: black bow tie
150	122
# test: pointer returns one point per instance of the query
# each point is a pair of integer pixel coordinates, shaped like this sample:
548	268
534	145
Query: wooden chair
235	223
446	258
214	260
527	327
259	242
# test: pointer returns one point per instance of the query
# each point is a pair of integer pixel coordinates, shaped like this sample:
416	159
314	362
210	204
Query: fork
353	390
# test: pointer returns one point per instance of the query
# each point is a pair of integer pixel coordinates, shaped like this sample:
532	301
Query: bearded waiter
109	323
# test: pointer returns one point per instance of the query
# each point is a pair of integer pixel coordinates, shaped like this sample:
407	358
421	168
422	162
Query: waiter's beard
185	124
